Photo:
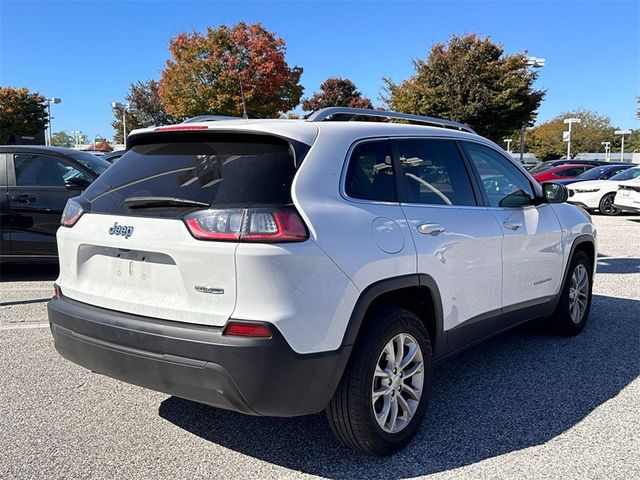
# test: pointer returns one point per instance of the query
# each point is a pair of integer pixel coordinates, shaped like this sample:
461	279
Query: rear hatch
132	250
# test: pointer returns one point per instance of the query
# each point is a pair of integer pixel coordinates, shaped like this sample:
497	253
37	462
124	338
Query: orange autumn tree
207	73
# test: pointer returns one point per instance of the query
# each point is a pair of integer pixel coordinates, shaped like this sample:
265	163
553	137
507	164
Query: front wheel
607	207
573	307
382	398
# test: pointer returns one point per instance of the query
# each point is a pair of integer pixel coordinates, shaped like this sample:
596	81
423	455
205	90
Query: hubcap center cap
396	380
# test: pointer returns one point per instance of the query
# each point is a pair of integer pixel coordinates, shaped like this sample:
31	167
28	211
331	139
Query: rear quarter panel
344	228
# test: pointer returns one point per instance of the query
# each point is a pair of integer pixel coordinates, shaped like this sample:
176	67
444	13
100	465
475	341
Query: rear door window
222	170
434	172
571	172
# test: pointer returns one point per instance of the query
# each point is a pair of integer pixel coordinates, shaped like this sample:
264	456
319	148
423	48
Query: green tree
632	143
469	79
145	109
215	71
83	138
545	140
336	92
21	113
62	139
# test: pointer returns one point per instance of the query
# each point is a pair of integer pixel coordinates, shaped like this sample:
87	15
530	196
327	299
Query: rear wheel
606	206
382	398
573	308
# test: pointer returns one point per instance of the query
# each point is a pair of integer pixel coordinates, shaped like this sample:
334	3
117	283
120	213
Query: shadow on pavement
28	272
519	389
618	265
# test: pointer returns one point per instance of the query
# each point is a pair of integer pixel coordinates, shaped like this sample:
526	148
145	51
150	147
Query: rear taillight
247	225
216	224
629	187
72	212
241	329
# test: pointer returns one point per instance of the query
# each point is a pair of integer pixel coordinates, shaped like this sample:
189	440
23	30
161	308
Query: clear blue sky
89	52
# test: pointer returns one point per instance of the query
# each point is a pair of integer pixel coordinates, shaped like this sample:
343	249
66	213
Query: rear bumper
248	375
627	204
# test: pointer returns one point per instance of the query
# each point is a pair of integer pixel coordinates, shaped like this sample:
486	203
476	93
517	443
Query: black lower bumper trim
248	375
627	208
579	204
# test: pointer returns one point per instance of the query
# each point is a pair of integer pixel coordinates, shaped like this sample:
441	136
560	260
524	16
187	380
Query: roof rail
346	114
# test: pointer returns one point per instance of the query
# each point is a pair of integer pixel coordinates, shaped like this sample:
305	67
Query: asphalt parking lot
525	404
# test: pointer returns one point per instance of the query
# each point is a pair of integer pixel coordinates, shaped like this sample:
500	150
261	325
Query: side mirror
555	193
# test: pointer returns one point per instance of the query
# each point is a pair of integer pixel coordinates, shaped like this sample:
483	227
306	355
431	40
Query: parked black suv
35	184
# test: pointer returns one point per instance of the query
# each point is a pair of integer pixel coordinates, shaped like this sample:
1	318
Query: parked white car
286	267
599	194
627	198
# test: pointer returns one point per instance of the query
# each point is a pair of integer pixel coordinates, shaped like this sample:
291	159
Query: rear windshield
230	170
592	174
627	174
541	168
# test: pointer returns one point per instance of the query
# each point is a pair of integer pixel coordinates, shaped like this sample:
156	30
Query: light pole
566	136
48	102
622	133
607	149
76	138
508	142
126	107
533	62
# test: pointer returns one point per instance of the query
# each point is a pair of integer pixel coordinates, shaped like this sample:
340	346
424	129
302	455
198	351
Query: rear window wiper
151	202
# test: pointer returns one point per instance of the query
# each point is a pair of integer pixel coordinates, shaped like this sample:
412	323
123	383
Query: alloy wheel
578	293
398	382
607	206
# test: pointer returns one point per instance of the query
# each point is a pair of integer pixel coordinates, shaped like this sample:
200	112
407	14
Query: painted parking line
24	302
30	289
24	326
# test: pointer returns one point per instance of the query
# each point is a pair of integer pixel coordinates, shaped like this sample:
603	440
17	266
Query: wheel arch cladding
584	243
417	293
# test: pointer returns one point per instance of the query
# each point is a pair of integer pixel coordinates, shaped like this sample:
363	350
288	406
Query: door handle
430	229
23	198
512	225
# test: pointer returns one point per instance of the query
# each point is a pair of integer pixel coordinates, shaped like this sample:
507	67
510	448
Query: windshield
93	163
627	174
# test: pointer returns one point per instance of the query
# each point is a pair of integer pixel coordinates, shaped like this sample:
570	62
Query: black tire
606	206
562	321
351	413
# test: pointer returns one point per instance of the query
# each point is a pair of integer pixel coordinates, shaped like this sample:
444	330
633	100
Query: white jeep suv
286	267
